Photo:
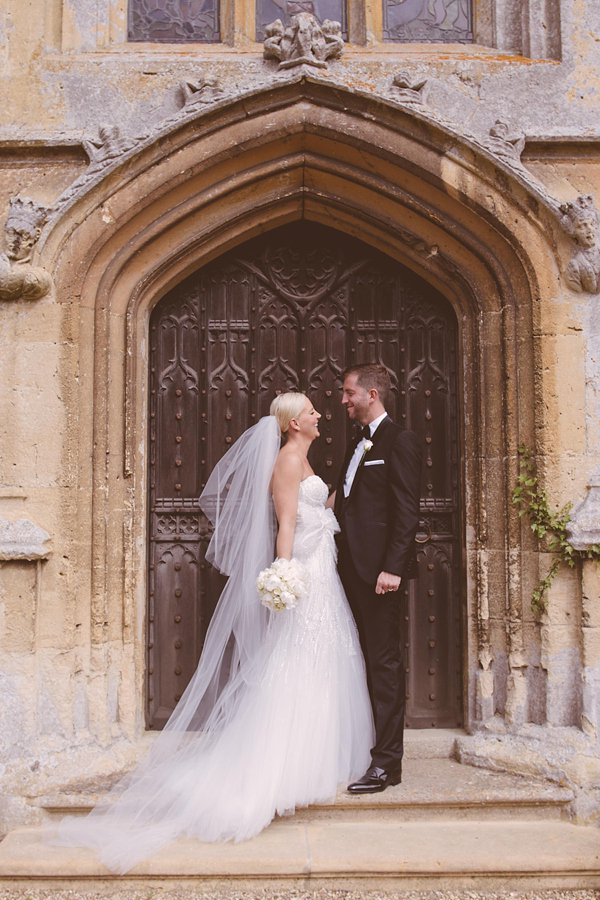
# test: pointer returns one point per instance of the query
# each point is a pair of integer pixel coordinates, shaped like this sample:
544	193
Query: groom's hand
387	582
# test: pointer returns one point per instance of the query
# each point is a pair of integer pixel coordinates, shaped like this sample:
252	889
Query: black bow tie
366	432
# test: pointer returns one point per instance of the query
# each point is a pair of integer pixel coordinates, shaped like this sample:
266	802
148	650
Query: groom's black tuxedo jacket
379	519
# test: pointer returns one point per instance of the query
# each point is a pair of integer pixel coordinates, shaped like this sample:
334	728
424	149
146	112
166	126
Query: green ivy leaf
547	524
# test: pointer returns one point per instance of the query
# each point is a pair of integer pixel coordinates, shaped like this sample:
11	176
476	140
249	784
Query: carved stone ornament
507	146
409	89
204	89
584	528
303	42
22	540
19	280
107	146
580	220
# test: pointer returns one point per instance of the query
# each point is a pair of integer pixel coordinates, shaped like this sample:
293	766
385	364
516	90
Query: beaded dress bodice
315	525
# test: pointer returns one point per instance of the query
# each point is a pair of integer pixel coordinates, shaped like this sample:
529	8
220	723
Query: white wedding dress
302	728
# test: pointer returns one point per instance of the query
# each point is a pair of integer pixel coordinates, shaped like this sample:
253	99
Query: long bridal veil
146	809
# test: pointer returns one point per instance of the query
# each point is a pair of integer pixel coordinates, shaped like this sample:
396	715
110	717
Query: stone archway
400	183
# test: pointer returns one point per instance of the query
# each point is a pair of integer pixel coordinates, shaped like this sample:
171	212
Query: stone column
584	530
590	713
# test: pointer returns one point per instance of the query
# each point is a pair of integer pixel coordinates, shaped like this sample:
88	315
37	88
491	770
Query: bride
277	714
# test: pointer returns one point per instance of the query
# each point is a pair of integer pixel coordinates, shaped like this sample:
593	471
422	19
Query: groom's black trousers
380	621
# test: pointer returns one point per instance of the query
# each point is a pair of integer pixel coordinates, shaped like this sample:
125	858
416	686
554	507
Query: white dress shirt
358	455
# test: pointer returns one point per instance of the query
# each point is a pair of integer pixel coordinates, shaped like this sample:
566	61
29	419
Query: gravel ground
265	894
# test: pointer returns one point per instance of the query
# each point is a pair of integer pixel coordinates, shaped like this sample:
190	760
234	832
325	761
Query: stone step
445	789
439	787
426	855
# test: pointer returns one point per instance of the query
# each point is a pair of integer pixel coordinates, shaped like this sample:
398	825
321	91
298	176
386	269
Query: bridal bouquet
282	584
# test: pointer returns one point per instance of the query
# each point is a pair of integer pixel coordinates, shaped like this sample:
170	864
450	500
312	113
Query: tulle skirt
302	728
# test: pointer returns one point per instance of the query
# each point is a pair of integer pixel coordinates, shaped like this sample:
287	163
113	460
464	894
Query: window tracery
533	34
174	21
428	21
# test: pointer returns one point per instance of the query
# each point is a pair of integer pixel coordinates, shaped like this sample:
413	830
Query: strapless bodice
314	523
313	490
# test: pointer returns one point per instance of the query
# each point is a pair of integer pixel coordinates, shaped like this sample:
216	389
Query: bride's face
308	421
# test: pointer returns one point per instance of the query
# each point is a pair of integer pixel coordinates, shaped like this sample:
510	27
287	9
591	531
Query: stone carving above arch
109	144
303	42
19	279
199	90
505	145
408	89
581	221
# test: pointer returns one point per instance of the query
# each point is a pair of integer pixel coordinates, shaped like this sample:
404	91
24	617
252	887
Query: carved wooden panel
174	21
418	21
289	311
268	11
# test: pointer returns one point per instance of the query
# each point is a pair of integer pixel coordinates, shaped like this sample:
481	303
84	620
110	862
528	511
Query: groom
377	506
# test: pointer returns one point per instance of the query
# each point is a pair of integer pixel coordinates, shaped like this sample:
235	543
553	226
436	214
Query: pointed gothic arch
476	230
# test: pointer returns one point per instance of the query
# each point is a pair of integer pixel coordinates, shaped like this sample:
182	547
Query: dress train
299	729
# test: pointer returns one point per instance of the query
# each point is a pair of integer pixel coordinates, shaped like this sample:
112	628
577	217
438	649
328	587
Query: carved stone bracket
408	89
107	146
23	540
580	220
303	42
19	280
507	146
195	92
584	528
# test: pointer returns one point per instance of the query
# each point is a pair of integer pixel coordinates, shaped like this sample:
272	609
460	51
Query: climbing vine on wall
548	526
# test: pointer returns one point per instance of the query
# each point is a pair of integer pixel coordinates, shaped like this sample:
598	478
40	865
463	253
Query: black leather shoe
375	780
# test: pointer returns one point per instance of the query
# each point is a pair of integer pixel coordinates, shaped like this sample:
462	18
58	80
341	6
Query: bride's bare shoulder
288	465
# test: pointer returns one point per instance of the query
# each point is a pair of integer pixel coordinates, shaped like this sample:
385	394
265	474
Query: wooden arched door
289	310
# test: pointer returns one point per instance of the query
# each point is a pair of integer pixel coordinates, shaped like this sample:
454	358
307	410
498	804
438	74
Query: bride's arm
286	484
330	501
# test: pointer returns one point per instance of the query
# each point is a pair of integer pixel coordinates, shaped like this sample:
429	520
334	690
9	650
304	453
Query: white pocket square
375	462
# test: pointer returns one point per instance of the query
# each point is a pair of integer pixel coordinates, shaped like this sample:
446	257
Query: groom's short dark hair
371	376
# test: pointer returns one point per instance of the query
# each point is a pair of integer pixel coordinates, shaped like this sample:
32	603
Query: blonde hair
286	407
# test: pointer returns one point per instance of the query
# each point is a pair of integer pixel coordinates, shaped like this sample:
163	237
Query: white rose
272	582
260	581
288	599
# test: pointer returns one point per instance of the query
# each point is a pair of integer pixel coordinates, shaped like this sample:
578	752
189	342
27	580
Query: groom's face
356	399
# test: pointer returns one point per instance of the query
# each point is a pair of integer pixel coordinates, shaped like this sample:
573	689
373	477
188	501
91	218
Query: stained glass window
269	10
418	21
174	21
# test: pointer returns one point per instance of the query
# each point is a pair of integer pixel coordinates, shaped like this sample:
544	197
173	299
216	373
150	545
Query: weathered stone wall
414	171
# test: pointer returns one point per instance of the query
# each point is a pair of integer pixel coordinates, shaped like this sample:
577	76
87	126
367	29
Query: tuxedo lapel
350	448
381	429
375	439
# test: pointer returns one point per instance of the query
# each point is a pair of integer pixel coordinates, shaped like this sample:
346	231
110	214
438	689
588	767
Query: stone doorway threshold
446	826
